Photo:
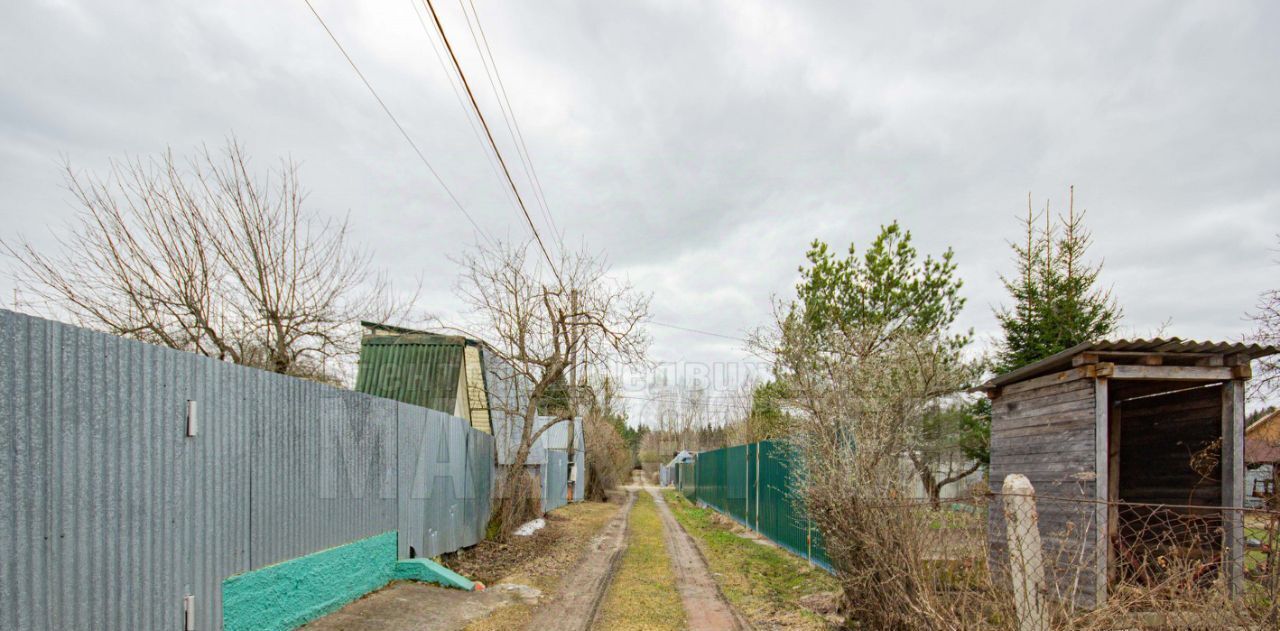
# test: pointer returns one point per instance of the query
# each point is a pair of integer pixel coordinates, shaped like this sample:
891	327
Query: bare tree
547	325
207	256
1267	321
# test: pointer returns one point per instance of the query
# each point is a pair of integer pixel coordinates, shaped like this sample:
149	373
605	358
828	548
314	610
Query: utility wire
723	406
509	113
395	121
489	134
452	78
700	332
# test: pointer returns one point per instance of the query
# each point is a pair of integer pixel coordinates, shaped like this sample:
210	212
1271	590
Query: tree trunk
932	489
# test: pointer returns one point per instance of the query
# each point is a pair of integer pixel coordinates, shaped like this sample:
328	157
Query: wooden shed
1106	430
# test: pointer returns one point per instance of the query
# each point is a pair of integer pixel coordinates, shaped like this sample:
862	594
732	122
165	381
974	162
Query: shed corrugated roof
1258	451
1172	345
419	368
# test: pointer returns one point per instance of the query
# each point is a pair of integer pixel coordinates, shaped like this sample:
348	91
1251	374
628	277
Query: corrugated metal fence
753	485
110	513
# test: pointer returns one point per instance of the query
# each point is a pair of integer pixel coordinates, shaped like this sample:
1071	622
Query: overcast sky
703	145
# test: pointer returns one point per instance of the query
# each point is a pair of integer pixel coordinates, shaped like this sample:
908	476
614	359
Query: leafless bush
608	459
950	567
205	255
520	493
854	414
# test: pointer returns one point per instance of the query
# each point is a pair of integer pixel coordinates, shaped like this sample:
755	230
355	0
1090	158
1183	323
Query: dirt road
578	601
704	605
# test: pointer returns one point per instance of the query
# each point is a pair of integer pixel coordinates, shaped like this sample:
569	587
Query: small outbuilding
1262	461
1122	440
669	474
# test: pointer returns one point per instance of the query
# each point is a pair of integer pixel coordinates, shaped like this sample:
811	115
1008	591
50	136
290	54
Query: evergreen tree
1056	301
767	419
887	290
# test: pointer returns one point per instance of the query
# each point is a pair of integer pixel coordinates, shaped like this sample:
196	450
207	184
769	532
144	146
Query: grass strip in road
643	593
770	586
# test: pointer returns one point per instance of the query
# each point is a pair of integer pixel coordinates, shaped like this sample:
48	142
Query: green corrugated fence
752	484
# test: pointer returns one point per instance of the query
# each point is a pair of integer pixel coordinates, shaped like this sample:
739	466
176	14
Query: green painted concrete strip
428	571
289	594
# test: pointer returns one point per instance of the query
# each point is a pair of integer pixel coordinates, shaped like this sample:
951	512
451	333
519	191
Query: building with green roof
440	372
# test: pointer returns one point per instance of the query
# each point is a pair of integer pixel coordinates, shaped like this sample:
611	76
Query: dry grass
643	593
768	585
558	548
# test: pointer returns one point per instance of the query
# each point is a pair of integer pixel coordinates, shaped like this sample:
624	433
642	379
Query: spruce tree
1057	302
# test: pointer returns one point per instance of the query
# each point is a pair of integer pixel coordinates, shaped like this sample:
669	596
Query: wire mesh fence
991	561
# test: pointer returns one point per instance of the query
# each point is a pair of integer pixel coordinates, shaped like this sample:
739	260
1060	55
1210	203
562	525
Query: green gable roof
417	368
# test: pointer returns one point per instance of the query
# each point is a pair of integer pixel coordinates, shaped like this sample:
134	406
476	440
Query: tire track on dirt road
705	606
577	602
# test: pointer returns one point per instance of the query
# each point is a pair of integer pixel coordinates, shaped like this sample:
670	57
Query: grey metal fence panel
580	486
323	469
110	513
580	460
440	482
480	459
555	479
412	447
87	501
228	404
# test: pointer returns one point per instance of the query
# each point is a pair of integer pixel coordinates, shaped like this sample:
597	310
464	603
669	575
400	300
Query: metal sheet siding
324	472
506	392
555	479
218	512
110	514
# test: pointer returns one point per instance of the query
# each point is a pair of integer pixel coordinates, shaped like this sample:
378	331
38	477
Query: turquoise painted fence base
428	571
290	594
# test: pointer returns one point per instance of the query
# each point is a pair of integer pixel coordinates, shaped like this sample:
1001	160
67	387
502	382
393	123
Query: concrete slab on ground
407	606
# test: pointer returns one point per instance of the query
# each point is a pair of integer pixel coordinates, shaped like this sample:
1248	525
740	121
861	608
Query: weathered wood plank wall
1046	432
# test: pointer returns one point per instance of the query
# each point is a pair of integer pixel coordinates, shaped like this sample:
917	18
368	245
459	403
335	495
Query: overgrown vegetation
609	459
643	593
867	353
768	585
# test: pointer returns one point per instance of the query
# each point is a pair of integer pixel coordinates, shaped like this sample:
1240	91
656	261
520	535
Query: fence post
1026	560
758	486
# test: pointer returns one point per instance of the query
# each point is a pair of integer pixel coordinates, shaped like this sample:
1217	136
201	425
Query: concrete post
1026	557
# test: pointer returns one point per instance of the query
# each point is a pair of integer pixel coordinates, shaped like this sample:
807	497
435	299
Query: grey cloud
703	145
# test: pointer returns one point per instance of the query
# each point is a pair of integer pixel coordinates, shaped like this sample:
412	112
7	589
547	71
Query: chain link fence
1014	560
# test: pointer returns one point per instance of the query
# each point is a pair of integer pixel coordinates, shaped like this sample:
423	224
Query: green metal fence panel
753	484
686	479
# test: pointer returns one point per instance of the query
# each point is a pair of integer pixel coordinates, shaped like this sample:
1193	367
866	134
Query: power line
396	121
489	134
700	332
509	113
457	93
723	406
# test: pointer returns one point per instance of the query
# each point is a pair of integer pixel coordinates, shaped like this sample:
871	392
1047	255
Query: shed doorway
1165	477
